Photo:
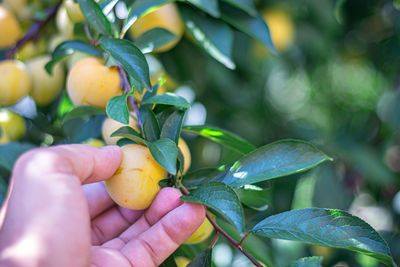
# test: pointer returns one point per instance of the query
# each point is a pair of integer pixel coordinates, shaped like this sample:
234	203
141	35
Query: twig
127	89
215	239
34	30
218	229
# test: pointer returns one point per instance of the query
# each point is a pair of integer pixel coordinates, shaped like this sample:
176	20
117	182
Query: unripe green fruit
74	11
12	125
94	142
15	82
45	87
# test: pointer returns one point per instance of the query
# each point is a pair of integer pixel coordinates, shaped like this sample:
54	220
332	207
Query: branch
127	89
218	229
33	31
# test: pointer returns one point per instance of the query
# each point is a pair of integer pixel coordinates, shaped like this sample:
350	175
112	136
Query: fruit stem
242	240
89	35
215	239
33	31
127	88
218	229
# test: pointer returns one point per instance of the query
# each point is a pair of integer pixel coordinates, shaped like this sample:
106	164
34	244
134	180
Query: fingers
114	221
88	163
97	198
162	239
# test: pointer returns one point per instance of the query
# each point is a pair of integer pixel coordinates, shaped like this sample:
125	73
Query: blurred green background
336	84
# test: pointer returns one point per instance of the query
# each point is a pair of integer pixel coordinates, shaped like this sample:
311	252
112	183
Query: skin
202	233
45	87
135	184
12	125
50	219
10	30
91	83
167	17
110	126
15	82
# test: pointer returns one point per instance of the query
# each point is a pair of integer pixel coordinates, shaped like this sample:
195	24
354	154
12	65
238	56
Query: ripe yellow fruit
75	58
167	17
64	24
110	126
74	11
15	82
135	184
281	28
186	154
12	125
94	142
45	87
182	261
202	233
91	83
55	41
10	30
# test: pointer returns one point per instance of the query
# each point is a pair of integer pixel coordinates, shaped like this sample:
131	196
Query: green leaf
213	35
125	141
255	197
117	109
168	99
107	5
222	137
140	8
307	262
10	152
153	39
82	111
130	57
151	128
255	27
129	133
209	6
95	16
69	47
245	5
275	160
221	198
201	176
326	227
172	126
202	260
165	152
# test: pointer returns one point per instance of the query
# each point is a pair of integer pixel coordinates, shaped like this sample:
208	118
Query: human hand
50	219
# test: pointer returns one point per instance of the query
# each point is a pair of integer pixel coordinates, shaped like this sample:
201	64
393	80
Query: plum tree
15	82
91	83
135	184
